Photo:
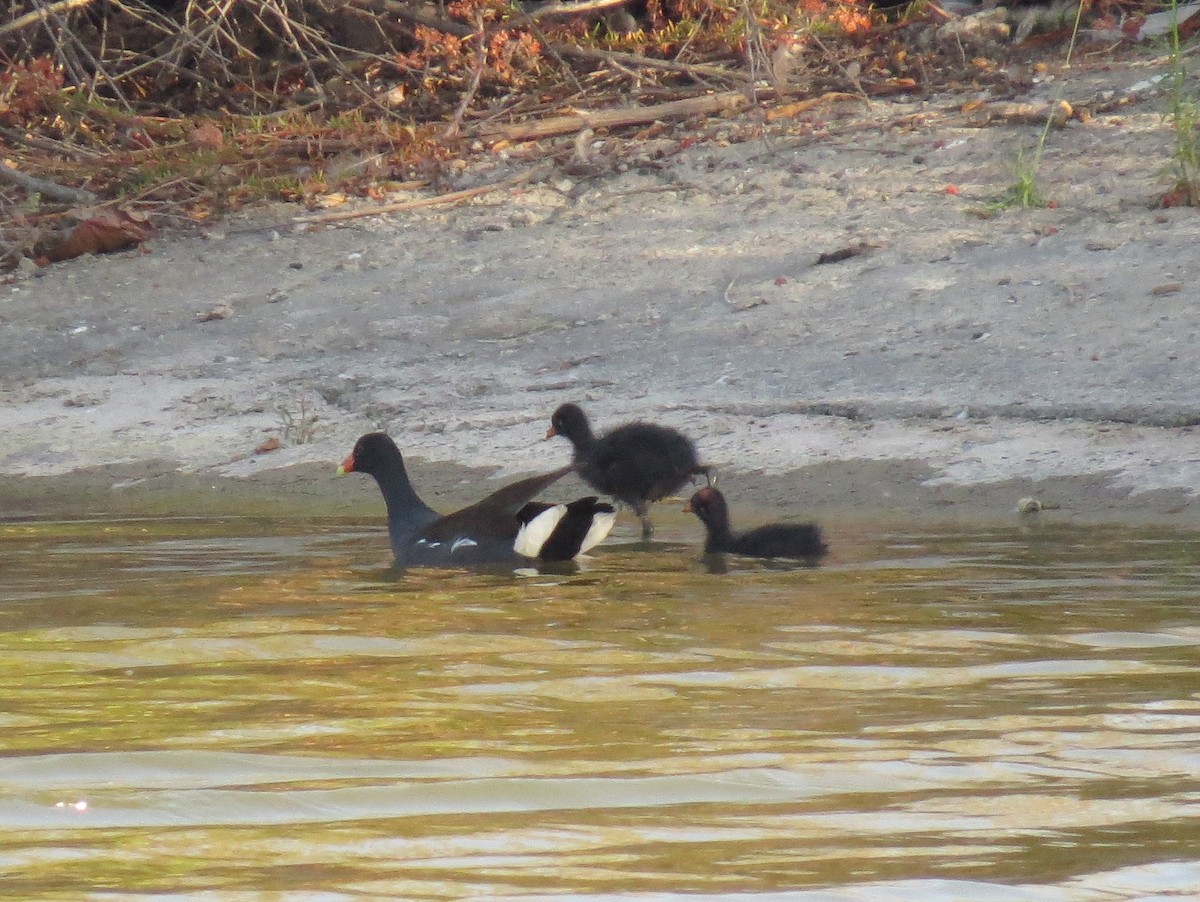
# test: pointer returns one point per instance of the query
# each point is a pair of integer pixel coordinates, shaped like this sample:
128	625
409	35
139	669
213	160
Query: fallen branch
569	9
477	67
980	113
529	175
52	190
788	110
41	15
639	62
572	122
891	86
59	148
408	14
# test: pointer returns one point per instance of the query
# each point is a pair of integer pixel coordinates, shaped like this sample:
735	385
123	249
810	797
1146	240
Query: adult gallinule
791	540
637	463
486	532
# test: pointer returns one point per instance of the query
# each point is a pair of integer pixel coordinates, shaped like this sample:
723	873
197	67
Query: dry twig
572	122
757	58
616	57
477	67
569	9
41	15
453	197
410	14
846	73
49	189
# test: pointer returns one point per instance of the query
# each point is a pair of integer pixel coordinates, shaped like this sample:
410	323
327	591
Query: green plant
1184	169
1024	191
299	427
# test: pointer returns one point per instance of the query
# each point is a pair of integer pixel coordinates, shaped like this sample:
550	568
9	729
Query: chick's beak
347	465
687	507
551	432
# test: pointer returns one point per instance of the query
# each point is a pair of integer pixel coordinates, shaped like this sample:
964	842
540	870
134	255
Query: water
233	709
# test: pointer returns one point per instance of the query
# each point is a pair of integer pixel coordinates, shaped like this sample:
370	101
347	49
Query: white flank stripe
533	535
602	524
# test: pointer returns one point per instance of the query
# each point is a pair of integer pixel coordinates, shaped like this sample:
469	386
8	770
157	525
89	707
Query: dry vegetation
180	109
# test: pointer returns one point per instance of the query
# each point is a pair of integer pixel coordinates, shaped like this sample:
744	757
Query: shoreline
853	493
963	360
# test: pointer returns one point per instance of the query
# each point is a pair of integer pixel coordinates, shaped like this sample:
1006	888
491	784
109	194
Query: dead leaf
99	232
208	136
843	253
1169	288
271	444
1182	195
1141	27
221	311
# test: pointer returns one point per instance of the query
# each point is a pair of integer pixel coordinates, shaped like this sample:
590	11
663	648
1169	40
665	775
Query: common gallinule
791	540
486	532
560	532
637	463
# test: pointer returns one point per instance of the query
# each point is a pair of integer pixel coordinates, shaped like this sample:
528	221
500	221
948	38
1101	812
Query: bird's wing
494	516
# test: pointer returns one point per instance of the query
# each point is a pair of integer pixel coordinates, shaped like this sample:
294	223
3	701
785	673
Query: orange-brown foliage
28	91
